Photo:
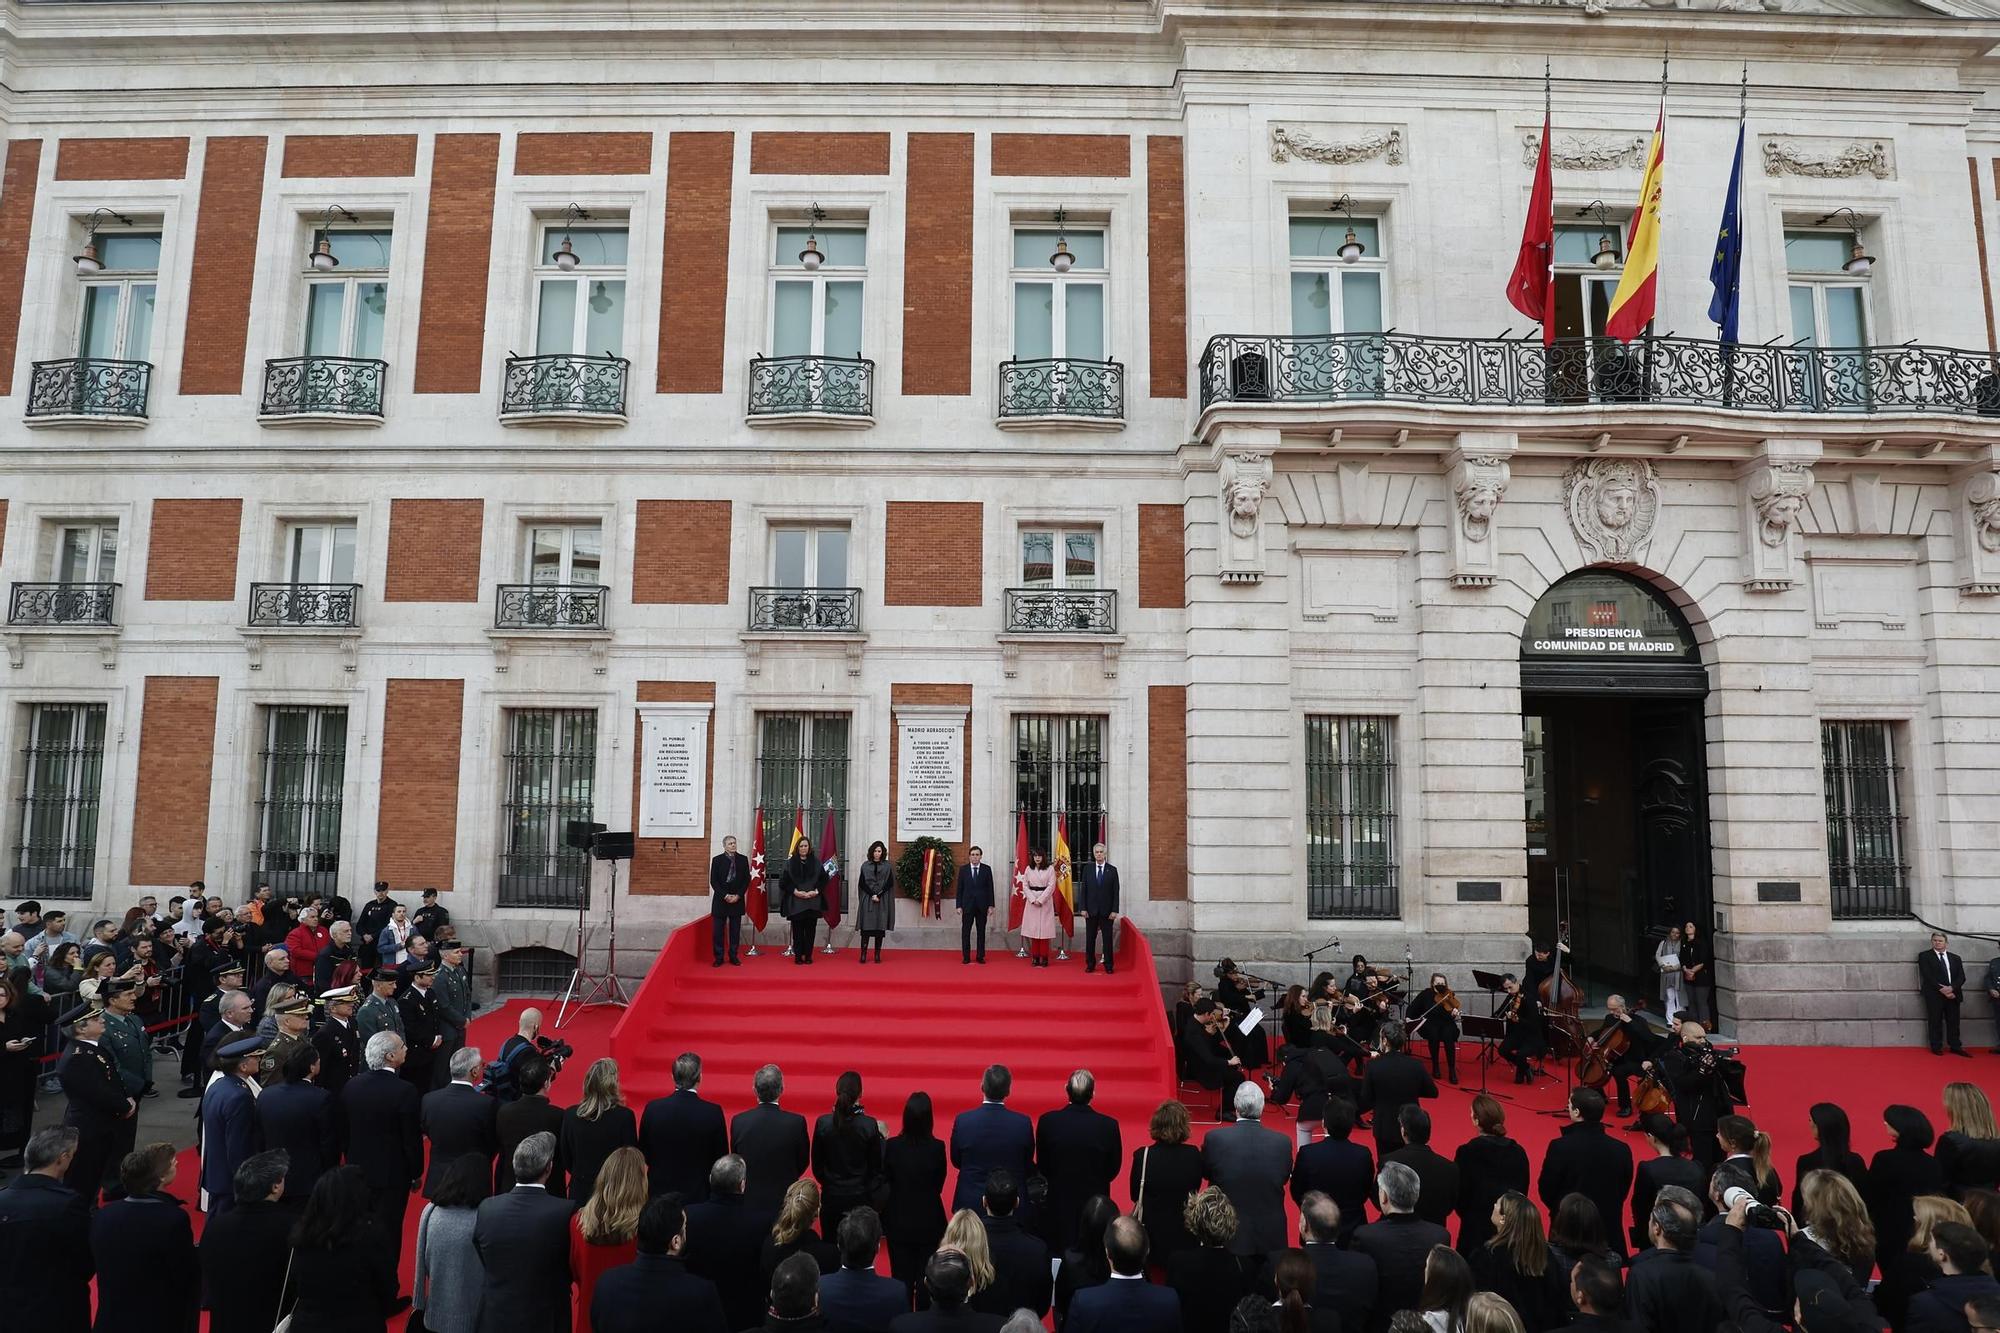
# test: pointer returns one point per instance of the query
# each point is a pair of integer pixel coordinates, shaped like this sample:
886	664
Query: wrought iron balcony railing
1062	387
318	605
550	606
1061	611
83	386
564	385
334	386
834	386
63	604
1505	372
806	610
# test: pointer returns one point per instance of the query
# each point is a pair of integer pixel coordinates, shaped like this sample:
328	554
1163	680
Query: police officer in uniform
375	914
98	1104
125	1038
378	1013
453	992
420	1023
293	1016
229	1133
338	1040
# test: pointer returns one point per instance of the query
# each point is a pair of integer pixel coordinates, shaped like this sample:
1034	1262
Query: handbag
1668	962
1139	1199
284	1325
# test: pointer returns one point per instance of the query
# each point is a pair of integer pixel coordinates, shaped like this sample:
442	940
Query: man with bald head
1701	1094
1128	1303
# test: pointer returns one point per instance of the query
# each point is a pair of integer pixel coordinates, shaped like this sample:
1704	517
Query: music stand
605	989
1489	1031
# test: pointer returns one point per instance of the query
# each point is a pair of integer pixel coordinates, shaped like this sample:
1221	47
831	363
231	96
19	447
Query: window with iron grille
1351	817
298	819
1058	782
56	856
802	766
534	971
1864	820
551	779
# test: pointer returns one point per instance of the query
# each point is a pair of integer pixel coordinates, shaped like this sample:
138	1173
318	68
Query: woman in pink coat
1038	918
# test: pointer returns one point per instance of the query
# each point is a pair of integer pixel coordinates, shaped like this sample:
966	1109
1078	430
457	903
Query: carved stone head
1779	495
1983	493
1612	503
1245	478
1482	481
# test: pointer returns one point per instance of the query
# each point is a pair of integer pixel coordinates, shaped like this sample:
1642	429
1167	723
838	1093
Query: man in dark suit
728	884
374	915
1128	1303
990	1137
948	1282
1943	975
725	1244
459	1119
295	1116
975	900
682	1135
244	1252
1337	1167
794	1303
1099	885
1394	1079
1587	1160
1400	1244
1669	1292
1022	1279
1598	1293
522	1238
1437	1176
1343	1279
45	1235
637	1297
1962	1258
1251	1164
98	1105
530	1113
773	1143
383	1133
1080	1152
857	1299
1205	1049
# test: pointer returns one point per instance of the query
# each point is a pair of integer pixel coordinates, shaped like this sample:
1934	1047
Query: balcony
564	390
1061	611
805	610
323	391
90	605
1063	391
532	608
812	391
89	391
303	605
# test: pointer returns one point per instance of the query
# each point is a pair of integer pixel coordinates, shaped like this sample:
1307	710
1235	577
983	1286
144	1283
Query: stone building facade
795	382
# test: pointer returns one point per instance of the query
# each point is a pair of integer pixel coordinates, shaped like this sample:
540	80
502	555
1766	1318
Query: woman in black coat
343	1273
1516	1264
595	1127
136	1241
1207	1277
1084	1264
913	1219
846	1155
1489	1165
802	897
1969	1152
1165	1175
1834	1135
23	1018
1697	976
1898	1175
1669	1165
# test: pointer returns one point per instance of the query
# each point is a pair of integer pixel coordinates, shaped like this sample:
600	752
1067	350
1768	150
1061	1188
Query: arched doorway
1613	768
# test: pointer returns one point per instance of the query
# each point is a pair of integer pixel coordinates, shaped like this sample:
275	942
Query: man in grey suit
1251	1164
522	1238
774	1144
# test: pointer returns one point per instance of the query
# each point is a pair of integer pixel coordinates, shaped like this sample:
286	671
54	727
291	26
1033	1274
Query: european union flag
1726	273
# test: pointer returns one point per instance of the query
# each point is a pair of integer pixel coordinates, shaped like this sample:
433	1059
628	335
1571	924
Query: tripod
585	990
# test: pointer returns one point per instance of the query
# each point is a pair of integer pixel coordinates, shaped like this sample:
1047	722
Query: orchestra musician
1641	1043
1369	986
1314	1073
1524	1041
1328	1034
1237	992
1294	1022
1435	1012
1701	1094
1210	1062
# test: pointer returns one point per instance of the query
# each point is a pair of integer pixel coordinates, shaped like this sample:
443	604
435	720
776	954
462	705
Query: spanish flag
1065	885
1632	303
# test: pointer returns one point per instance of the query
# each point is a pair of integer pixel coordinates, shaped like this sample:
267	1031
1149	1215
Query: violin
1513	1014
1449	1001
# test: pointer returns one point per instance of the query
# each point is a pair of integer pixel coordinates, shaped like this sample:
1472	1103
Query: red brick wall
1166	791
434	550
451	328
680	553
225	235
785	153
3	528
1062	155
191	551
937	266
340	155
565	154
948	695
121	159
176	761
1166	266
17	216
416	828
936	555
1162	557
694	267
677	866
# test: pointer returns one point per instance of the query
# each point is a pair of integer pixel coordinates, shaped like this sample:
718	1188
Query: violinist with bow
1237	991
1368	990
1525	1040
1435	1013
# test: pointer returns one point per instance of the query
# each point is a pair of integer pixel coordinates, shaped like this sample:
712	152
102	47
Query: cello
1593	1066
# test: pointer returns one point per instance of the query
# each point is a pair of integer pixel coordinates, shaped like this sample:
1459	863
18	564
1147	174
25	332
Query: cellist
1624	1041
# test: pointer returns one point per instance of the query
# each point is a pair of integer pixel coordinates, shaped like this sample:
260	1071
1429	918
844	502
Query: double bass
1562	1003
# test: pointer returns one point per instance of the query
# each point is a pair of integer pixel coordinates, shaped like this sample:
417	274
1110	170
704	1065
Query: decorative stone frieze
1612	504
1292	142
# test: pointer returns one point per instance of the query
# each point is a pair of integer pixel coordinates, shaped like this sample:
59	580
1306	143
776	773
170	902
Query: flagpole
1548	134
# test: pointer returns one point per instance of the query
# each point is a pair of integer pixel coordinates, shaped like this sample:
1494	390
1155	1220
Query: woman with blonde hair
1209	1279
1515	1263
595	1127
793	1232
1489	1313
1969	1152
1912	1270
967	1234
1837	1219
604	1233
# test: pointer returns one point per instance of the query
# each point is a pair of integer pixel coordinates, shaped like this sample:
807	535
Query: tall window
86	553
1330	295
319	553
1829	308
1351	817
809	557
1060	315
347	308
1583	290
551	779
1058	778
298	820
118	300
581	310
565	554
1059	557
1864	820
56	856
818	312
802	766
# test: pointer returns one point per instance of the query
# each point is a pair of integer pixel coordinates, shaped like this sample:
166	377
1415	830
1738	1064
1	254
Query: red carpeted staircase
919	1020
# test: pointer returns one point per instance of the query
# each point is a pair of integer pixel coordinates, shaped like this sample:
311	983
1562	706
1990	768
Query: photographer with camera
1825	1297
1763	1251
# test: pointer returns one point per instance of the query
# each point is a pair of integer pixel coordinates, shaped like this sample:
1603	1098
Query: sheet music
1250	1020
